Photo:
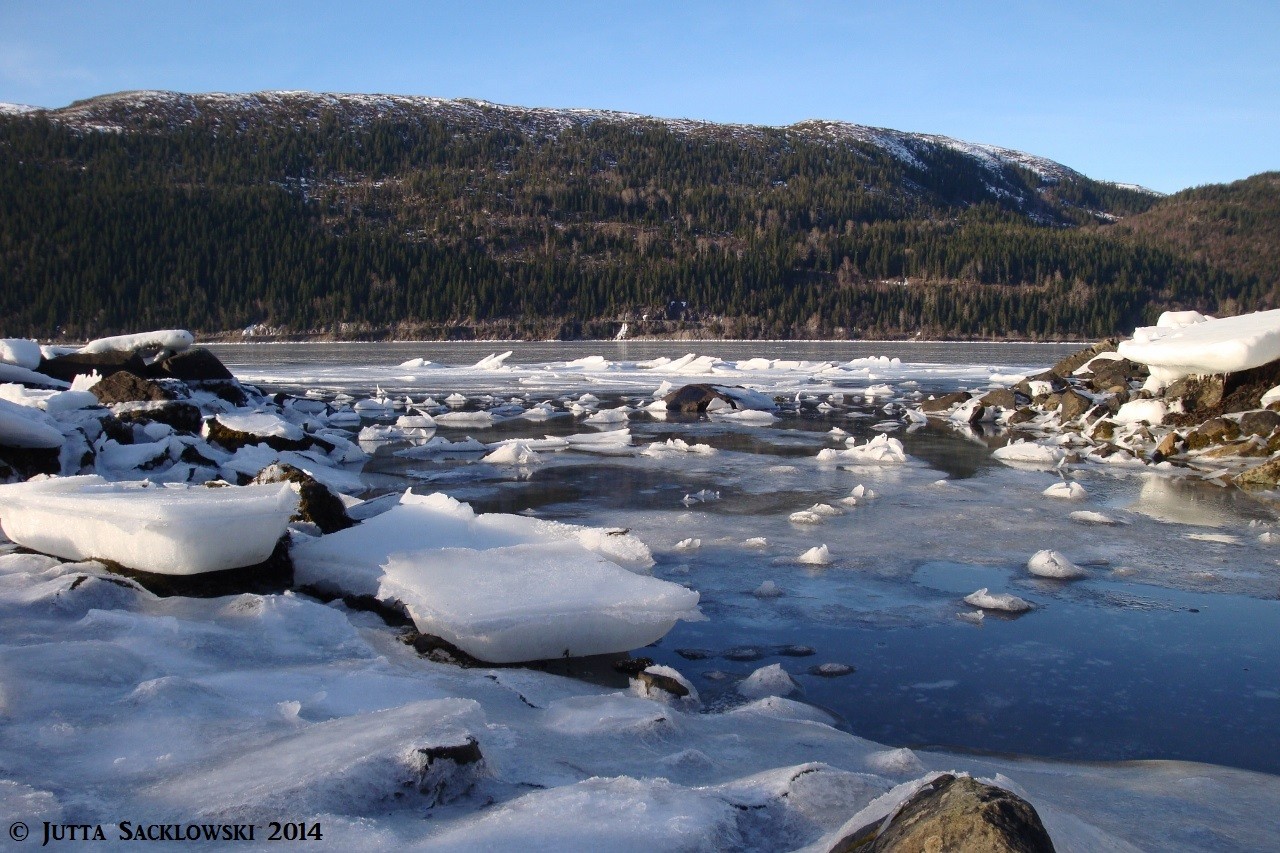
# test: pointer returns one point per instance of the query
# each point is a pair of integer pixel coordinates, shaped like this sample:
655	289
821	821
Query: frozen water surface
254	706
1168	649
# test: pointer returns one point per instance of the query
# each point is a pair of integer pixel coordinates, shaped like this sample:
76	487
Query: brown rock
184	417
693	398
234	439
1167	447
1103	430
1250	447
955	814
934	405
317	503
1056	383
1074	404
1213	431
1116	374
1021	416
125	387
197	364
1264	476
1075	361
67	367
1003	398
1262	422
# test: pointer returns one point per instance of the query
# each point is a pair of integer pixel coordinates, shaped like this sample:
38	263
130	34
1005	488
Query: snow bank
534	601
1179	346
172	529
174	340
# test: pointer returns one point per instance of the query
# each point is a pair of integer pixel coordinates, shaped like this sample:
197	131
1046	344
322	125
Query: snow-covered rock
997	601
1051	564
1181	344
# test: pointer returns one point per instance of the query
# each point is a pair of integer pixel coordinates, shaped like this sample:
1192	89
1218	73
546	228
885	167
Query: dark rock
1167	447
1116	374
695	654
197	364
27	462
317	503
233	439
934	405
1073	405
694	398
1262	422
1056	384
1213	431
658	681
1264	476
126	387
1003	398
976	412
632	667
1250	447
272	576
1075	361
184	417
1201	395
444	773
1022	416
67	367
1103	430
955	814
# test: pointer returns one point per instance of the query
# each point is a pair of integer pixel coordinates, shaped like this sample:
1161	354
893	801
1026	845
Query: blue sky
1167	95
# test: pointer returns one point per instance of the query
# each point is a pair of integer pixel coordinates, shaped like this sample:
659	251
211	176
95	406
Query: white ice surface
173	530
533	601
1175	348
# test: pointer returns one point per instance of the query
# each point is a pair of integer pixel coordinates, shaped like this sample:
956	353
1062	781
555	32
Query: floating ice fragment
534	601
973	617
676	445
1067	490
762	542
819	555
689	544
1029	454
770	680
997	601
1219	538
513	453
805	516
1051	564
465	420
768	589
1085	516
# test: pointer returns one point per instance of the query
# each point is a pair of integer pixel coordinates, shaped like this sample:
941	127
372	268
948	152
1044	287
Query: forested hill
369	216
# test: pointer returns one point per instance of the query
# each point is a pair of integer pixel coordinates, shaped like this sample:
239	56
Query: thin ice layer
172	529
533	601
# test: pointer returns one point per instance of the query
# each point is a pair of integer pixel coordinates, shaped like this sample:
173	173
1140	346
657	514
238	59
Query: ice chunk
173	529
493	361
806	516
676	445
818	555
173	340
1051	564
770	680
264	424
768	589
20	352
1029	454
688	544
1138	411
24	426
1085	516
1175	348
899	762
755	542
1067	490
997	601
609	416
533	602
878	451
465	420
513	453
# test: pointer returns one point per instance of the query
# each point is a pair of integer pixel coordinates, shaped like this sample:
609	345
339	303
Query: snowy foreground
119	705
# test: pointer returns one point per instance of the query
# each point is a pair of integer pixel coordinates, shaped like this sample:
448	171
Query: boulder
935	405
197	364
67	367
234	439
1073	405
184	417
1041	384
693	398
1213	431
1022	416
1003	398
1264	476
317	504
26	462
1262	422
955	814
124	386
1075	361
1201	395
1167	447
1116	374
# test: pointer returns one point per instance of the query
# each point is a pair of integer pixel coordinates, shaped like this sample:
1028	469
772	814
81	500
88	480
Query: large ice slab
170	529
1176	347
533	601
351	560
174	340
24	426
